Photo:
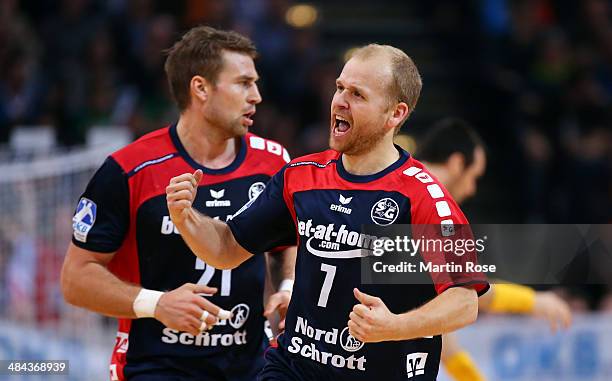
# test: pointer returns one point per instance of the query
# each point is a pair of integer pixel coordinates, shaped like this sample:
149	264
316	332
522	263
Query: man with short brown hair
126	252
200	52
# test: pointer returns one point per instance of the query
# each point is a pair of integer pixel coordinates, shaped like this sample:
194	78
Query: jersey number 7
330	273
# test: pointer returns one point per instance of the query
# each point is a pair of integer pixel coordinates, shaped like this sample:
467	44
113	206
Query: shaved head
404	79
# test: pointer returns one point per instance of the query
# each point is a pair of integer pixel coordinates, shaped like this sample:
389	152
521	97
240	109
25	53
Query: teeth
341	118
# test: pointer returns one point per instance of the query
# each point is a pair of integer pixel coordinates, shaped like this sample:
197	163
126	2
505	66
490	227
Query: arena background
80	78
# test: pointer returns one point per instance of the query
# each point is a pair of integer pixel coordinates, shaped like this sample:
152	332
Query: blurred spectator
20	83
147	73
534	75
21	89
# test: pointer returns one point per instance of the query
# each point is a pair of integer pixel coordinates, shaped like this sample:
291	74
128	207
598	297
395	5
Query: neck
206	144
383	155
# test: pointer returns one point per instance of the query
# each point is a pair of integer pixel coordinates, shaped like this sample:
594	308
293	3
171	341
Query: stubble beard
357	144
229	128
237	129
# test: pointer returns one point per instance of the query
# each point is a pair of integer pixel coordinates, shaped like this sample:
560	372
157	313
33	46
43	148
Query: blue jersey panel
265	222
329	268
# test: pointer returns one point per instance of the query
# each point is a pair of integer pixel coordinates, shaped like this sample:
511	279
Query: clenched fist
180	194
371	321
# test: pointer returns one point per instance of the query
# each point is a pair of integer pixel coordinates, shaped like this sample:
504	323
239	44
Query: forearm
288	263
93	287
282	265
449	311
210	240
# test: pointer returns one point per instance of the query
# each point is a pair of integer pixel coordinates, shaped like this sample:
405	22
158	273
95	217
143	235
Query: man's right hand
180	194
182	309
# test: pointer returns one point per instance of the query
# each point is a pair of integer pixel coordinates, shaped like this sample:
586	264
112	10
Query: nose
254	95
339	101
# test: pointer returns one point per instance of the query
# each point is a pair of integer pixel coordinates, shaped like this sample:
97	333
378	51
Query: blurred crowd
549	74
73	64
534	77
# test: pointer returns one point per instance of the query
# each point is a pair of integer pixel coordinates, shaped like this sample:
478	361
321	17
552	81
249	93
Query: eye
339	88
357	94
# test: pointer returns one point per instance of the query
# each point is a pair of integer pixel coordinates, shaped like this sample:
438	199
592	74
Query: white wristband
145	303
286	285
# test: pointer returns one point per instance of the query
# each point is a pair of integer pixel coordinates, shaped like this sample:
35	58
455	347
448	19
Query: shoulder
428	195
155	146
305	172
270	153
417	179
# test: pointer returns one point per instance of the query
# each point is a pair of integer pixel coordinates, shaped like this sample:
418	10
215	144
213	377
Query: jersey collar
404	156
181	150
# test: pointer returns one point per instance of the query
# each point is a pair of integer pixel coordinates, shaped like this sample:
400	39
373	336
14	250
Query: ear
456	164
400	113
199	88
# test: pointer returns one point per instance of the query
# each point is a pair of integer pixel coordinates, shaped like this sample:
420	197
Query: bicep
78	257
450	244
79	265
463	292
460	296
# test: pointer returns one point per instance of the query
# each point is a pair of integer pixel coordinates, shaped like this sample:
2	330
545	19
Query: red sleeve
450	249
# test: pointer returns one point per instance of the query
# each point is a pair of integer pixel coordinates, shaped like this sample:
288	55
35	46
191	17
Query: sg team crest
385	211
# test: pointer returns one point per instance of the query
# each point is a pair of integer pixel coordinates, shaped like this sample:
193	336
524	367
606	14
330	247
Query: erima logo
217	195
345	200
415	364
340	208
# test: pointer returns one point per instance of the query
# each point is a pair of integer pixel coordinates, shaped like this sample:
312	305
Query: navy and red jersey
315	203
123	210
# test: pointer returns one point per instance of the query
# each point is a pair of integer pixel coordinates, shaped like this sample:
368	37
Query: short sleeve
440	219
265	223
101	219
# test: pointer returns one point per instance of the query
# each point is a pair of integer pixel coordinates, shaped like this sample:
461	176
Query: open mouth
248	118
341	126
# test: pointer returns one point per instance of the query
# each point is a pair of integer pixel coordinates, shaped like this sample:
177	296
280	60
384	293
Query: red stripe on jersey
263	156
